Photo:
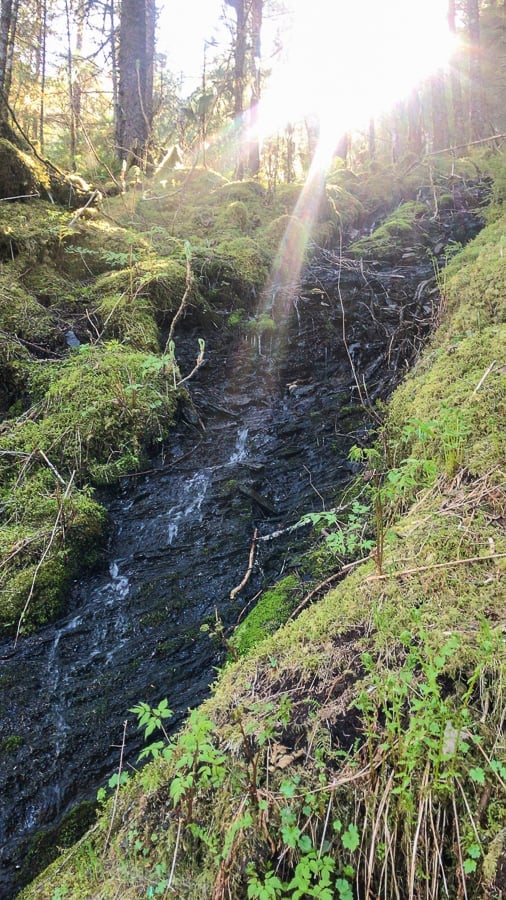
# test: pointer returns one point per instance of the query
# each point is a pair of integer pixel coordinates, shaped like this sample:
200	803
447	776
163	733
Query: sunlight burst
347	62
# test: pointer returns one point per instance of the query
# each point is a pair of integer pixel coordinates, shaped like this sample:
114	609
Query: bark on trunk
459	119
135	89
440	131
476	112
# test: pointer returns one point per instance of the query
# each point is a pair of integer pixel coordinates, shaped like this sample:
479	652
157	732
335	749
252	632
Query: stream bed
268	440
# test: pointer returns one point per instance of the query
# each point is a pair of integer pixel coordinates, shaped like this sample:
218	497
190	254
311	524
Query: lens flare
346	62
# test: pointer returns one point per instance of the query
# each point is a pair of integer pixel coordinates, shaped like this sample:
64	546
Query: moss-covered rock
93	417
271	611
30	228
400	231
21	175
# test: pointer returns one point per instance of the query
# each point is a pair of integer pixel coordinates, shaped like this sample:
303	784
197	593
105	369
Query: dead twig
41	561
118	785
83	209
198	363
484	376
319	587
429	568
247	575
174	857
19	197
50	464
182	305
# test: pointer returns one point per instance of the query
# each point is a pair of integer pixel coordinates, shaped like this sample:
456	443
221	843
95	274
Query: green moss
47	844
285	234
96	413
236	215
249	262
23	316
271	611
31	229
398	232
240	191
11	743
46	536
344	210
21	174
474	283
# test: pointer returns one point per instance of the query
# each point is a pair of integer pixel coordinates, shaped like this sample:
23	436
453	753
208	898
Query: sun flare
347	62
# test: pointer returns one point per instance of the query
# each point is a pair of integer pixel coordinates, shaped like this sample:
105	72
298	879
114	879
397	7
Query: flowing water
278	428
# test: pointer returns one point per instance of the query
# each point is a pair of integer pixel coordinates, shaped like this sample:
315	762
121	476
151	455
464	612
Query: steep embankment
360	750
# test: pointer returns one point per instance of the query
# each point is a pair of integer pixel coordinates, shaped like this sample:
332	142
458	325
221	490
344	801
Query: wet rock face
280	411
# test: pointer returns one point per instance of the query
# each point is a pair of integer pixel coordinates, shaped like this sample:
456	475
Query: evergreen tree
135	86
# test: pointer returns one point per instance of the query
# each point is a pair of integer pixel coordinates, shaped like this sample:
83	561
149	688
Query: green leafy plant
152	718
345	539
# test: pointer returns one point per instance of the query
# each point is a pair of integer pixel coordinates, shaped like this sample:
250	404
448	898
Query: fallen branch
118	785
443	565
41	561
484	376
281	531
238	589
198	363
50	464
20	197
342	571
182	305
82	209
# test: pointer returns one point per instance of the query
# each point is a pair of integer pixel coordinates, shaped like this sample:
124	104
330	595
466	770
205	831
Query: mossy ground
358	751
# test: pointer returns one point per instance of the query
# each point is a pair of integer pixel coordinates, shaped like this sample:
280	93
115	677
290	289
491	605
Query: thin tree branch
243	583
182	305
118	785
429	568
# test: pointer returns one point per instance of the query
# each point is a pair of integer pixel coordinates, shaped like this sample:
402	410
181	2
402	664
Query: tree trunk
5	31
70	82
256	53
440	132
239	80
414	112
459	120
247	75
476	112
10	48
135	88
7	20
41	72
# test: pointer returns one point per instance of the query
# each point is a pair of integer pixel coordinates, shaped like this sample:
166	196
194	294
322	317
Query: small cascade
194	492
239	453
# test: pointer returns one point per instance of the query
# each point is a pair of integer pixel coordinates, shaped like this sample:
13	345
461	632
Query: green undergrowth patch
272	610
241	223
94	416
359	750
475	284
21	174
31	228
401	230
97	411
132	303
48	533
